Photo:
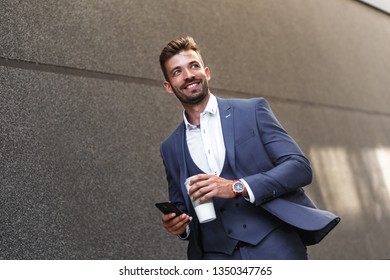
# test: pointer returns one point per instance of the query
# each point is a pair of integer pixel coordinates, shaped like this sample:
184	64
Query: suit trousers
283	243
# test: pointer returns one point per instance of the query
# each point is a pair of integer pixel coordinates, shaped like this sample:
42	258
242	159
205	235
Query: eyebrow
195	61
190	63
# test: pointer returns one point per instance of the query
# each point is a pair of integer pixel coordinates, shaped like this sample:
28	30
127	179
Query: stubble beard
193	99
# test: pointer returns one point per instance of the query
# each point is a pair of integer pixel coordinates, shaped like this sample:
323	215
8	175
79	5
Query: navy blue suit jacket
260	151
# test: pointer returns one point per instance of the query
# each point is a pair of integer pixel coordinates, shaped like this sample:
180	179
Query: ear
208	73
167	86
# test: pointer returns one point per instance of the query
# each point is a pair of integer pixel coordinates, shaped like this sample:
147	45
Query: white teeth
192	85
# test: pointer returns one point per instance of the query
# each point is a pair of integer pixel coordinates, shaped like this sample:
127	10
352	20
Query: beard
193	98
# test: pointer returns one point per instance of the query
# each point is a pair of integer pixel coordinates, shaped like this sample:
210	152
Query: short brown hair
173	48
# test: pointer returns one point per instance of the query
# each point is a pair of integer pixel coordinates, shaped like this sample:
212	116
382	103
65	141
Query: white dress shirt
206	143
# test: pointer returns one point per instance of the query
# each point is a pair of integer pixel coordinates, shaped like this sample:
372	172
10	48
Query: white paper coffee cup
204	211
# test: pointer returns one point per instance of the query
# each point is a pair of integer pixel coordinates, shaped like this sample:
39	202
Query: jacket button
244	225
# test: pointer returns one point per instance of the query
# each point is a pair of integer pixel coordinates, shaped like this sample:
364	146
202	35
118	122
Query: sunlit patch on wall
383	156
353	182
335	177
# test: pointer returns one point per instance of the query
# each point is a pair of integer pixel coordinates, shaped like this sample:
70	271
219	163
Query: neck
193	111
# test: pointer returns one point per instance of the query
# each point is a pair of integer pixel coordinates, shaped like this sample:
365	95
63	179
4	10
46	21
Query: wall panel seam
66	70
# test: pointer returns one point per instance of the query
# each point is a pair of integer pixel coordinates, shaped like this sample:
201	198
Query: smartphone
168	207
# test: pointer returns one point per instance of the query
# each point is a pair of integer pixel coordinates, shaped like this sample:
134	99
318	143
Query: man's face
188	78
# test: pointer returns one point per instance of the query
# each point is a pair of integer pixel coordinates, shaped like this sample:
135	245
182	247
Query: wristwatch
238	188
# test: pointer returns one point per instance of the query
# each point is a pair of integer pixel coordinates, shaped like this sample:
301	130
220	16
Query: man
245	161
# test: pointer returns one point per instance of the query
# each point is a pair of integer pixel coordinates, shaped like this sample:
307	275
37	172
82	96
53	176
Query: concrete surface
83	112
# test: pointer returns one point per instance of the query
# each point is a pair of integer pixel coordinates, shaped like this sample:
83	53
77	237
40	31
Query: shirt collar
211	108
212	105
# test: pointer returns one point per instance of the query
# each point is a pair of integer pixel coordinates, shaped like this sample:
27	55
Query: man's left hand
208	186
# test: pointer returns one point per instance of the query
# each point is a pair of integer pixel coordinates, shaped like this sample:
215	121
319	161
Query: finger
169	226
208	195
172	223
202	197
167	217
179	224
200	192
200	177
199	185
182	221
182	229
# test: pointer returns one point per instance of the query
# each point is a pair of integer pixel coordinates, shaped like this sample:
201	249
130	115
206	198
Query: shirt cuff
185	235
251	197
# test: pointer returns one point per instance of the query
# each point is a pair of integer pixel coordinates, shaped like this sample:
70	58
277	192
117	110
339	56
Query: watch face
238	187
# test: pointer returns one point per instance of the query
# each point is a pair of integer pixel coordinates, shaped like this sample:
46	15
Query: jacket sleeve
175	195
291	169
172	170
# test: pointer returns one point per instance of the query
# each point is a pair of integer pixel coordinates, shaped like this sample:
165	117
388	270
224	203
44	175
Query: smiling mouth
191	85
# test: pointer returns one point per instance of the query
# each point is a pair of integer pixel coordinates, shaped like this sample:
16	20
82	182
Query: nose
188	75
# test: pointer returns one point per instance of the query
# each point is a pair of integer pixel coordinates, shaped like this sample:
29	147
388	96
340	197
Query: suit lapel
227	123
180	138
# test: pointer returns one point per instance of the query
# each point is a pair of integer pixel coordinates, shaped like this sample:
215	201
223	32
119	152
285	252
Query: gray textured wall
83	112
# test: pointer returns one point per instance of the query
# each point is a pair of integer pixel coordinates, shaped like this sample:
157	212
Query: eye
176	72
195	65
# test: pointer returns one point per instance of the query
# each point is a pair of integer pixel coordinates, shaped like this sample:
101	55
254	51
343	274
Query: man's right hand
176	225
